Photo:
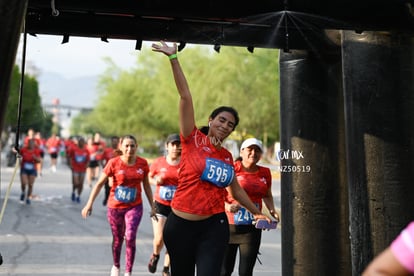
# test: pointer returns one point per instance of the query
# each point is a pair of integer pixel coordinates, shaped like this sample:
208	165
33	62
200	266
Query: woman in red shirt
164	175
128	172
95	154
30	155
79	159
256	180
53	144
110	152
196	232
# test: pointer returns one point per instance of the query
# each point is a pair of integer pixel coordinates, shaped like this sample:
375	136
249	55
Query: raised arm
186	108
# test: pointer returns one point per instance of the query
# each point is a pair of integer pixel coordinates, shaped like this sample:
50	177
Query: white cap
252	142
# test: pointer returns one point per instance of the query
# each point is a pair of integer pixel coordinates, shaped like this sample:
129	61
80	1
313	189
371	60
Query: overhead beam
273	24
191	31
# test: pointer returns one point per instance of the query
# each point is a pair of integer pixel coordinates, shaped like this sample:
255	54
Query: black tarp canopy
264	23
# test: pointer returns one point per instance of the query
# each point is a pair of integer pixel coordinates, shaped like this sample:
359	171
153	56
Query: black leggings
196	244
246	239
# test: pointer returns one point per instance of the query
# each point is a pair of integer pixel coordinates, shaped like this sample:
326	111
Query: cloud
79	57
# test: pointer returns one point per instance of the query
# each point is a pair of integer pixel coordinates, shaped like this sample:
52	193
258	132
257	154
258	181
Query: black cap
172	138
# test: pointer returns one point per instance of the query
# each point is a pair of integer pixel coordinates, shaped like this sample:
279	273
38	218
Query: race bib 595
218	172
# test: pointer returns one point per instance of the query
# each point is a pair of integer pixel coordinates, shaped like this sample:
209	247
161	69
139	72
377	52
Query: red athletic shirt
109	153
28	156
69	145
94	152
100	150
26	141
53	144
194	195
79	159
256	184
169	173
126	179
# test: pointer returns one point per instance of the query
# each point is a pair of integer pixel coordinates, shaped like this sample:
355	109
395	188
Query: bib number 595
218	173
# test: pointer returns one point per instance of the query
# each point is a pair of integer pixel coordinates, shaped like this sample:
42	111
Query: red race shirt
26	141
69	145
28	156
256	184
169	173
53	144
79	159
126	188
109	153
194	195
100	147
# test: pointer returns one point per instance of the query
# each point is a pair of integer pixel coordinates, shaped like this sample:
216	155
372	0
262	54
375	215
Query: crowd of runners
88	158
205	207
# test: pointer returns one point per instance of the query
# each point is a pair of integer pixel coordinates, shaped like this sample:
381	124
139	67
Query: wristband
173	56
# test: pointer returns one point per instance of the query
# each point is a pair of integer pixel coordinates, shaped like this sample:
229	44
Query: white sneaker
127	274
114	271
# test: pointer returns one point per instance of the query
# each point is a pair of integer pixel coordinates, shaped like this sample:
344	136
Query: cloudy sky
77	58
69	71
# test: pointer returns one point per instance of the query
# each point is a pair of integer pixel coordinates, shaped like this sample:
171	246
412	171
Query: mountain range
79	92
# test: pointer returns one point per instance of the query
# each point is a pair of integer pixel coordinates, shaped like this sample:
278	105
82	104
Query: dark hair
229	109
204	129
31	141
128	136
219	110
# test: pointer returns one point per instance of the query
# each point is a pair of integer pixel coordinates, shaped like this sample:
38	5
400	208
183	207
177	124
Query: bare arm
148	192
186	108
153	179
385	264
156	178
241	196
87	210
270	205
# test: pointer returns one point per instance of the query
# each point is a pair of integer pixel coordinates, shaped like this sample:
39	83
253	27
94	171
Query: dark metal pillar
12	15
379	100
315	238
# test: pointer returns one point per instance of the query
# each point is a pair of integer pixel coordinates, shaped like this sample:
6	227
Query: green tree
143	100
81	125
250	83
32	114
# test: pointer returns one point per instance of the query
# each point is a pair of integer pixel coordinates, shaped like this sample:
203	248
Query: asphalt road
49	237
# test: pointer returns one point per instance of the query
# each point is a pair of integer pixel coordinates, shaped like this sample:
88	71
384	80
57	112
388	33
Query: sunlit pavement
49	236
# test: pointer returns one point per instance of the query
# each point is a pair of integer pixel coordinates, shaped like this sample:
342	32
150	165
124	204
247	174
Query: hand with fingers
164	48
86	211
